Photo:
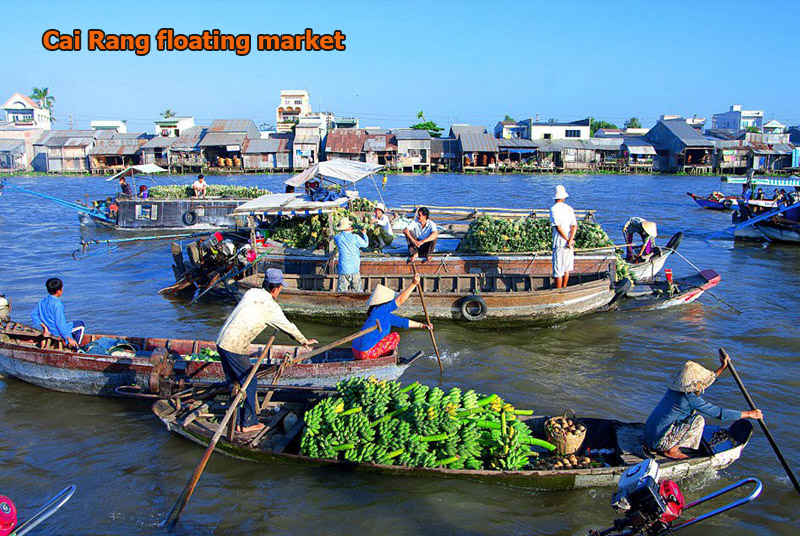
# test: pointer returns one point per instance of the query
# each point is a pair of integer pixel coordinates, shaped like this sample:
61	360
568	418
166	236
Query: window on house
298	102
548	136
573	134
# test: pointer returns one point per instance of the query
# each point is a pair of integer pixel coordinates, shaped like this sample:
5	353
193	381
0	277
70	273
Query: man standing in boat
50	317
677	422
565	225
647	231
421	236
257	311
349	245
199	186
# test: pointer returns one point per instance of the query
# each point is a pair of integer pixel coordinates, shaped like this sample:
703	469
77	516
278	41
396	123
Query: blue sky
458	61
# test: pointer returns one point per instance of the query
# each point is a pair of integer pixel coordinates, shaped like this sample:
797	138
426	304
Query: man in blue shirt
49	316
349	245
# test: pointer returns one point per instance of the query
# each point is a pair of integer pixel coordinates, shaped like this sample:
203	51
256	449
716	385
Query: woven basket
566	444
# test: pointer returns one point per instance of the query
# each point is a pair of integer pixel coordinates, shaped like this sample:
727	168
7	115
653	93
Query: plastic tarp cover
273	203
142	168
345	170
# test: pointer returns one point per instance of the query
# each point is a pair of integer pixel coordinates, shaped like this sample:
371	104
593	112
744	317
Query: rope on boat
690	263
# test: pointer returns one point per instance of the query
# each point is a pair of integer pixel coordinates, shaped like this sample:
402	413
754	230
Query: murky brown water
129	470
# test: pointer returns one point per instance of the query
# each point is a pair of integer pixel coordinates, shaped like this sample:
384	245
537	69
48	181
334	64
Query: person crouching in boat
677	421
647	231
257	310
381	304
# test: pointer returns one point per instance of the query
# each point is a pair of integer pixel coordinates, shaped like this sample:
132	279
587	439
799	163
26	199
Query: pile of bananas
415	426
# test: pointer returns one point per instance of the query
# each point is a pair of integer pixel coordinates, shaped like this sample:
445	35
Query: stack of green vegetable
381	422
310	233
212	190
362	204
206	354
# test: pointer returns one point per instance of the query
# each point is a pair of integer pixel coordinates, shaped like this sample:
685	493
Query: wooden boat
156	360
659	294
647	269
483	300
622	442
715	201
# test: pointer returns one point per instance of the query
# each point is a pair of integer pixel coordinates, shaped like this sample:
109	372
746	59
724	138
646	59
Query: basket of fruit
565	432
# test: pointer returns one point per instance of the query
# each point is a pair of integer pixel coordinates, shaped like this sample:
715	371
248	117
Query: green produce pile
415	426
362	204
212	190
206	354
487	234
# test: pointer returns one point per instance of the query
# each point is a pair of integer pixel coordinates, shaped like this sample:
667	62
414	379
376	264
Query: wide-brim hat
650	228
381	207
381	295
273	277
561	192
344	224
690	378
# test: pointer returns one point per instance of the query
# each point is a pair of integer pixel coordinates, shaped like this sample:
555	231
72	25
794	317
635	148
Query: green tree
551	120
596	124
43	97
166	114
509	118
433	129
633	122
754	129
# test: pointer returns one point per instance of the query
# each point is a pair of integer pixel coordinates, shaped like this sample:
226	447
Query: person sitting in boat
421	236
760	194
349	245
8	516
125	188
257	310
143	192
383	302
200	186
647	231
50	317
384	226
677	421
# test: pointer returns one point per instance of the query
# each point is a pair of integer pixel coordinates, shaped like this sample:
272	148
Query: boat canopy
338	168
764	181
288	205
142	168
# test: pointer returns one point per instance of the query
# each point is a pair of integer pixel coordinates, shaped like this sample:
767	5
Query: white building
294	104
24	113
774	127
576	130
114	126
172	127
737	120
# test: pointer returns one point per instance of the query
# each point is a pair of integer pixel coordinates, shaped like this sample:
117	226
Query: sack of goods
382	422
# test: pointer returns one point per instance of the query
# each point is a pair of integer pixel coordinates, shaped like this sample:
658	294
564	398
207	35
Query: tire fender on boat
189	217
727	204
473	308
675	241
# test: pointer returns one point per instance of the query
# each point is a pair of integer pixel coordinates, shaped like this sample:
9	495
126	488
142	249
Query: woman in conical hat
383	302
647	230
677	421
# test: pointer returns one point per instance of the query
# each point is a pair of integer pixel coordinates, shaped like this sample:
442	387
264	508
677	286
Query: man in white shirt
199	186
562	219
257	311
421	236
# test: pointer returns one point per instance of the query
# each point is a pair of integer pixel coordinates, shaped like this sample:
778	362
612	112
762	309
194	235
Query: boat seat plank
283	443
629	442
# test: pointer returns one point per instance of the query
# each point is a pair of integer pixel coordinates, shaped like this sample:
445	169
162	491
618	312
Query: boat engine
5	309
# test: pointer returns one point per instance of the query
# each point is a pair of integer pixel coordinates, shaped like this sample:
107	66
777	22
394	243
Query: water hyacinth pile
212	190
382	422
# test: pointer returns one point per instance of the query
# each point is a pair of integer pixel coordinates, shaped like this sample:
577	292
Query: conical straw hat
381	295
691	378
650	228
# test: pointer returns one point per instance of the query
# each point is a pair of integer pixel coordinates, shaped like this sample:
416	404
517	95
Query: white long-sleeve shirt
254	314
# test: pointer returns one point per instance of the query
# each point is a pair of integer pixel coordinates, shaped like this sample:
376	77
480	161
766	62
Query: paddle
428	319
180	504
767	433
52	506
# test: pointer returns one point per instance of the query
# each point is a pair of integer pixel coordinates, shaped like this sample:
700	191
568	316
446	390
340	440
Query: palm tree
42	96
166	114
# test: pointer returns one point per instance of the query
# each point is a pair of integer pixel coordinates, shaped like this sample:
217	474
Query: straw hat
650	228
692	377
381	295
561	192
344	225
381	207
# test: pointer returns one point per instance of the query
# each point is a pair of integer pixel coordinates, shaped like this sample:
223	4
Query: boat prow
660	294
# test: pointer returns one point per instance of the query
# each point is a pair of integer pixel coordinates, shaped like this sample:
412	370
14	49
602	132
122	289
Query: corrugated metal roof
442	146
189	139
457	130
307	139
376	131
68	141
637	146
605	144
270	145
345	141
234	125
688	135
160	142
218	139
117	147
411	134
11	145
783	148
515	143
580	123
482	143
380	143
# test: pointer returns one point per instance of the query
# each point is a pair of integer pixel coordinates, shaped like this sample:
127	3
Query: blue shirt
383	314
50	312
349	245
676	407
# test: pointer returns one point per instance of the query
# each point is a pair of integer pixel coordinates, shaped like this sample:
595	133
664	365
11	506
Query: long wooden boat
715	202
481	300
621	441
157	359
659	294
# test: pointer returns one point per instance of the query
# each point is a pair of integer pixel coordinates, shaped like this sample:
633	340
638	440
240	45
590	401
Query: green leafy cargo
212	190
382	422
206	354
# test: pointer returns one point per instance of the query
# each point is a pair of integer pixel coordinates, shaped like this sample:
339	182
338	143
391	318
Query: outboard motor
209	244
5	309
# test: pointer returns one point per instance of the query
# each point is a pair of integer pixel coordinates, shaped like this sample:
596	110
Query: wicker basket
565	443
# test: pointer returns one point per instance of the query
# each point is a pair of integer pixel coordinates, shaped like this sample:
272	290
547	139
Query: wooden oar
428	319
180	504
767	433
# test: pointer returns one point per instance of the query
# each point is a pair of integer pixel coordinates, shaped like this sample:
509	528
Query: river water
129	470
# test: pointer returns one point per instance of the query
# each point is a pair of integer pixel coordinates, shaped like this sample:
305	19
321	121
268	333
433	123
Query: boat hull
652	296
786	233
171	214
726	203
